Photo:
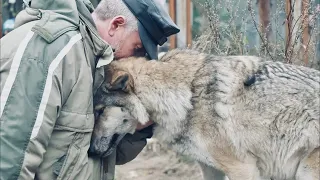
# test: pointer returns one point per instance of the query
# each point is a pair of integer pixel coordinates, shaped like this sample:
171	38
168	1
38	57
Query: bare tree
234	28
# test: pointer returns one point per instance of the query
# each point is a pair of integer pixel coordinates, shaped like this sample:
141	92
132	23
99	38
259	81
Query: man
51	66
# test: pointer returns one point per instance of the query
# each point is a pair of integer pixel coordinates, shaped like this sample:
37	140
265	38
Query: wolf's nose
94	148
91	151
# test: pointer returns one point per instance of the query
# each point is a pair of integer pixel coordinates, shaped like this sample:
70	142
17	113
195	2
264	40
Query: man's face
123	40
128	44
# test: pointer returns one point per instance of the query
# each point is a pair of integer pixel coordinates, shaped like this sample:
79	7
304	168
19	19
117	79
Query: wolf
244	116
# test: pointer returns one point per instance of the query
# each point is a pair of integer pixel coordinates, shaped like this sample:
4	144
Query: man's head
133	27
118	27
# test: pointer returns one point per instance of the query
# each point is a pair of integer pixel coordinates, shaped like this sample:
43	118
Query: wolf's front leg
210	173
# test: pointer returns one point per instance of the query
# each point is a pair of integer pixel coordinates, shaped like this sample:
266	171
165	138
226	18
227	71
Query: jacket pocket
67	156
65	166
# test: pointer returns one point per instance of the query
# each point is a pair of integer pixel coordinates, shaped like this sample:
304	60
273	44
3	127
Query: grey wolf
247	117
51	67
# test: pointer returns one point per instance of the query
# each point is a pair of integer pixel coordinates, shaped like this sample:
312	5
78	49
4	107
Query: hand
132	144
140	126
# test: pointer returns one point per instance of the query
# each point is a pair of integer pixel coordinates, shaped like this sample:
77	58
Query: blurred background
279	30
282	30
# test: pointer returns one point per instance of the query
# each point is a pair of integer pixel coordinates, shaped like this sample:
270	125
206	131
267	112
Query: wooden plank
172	13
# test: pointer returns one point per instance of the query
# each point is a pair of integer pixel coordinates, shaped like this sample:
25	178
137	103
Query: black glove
132	144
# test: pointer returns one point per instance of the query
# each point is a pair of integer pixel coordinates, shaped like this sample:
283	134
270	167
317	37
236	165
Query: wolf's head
117	111
112	123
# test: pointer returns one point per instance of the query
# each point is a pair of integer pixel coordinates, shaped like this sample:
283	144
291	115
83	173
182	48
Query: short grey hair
107	9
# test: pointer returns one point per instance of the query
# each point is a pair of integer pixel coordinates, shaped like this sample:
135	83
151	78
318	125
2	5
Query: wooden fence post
172	12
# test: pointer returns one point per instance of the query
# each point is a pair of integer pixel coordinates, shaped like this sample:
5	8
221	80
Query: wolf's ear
120	81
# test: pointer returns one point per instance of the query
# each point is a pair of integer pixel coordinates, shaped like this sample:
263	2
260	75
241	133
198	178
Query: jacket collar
101	49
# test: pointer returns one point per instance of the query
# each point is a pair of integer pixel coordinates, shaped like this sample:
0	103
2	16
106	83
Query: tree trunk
305	30
265	28
288	23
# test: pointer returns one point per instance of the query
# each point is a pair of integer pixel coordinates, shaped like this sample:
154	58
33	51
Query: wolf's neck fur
164	88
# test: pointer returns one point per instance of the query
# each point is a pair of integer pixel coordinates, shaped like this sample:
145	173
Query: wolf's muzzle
105	145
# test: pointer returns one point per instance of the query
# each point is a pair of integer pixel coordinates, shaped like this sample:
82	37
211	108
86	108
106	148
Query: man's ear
115	23
120	81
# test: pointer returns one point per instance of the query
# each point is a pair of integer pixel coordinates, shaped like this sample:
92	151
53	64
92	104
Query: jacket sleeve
132	144
32	106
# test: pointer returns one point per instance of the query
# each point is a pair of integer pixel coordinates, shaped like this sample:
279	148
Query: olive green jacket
48	79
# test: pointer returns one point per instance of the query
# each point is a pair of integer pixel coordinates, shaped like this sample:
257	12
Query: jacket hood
56	17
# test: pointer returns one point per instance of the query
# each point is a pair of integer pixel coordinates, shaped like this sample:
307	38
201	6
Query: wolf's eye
125	120
100	111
